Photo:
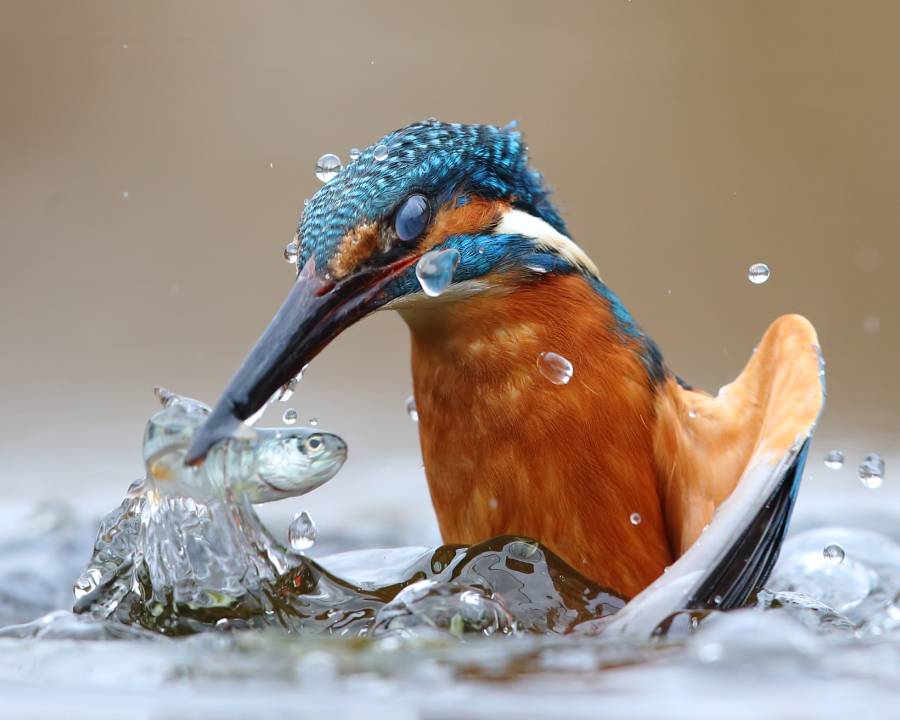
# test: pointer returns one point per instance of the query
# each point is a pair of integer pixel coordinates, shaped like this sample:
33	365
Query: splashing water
555	368
758	273
435	270
871	471
328	167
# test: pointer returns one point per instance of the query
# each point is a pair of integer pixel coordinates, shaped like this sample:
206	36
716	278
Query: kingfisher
544	410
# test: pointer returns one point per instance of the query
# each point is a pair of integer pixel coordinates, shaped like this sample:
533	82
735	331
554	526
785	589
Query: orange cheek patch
472	217
356	247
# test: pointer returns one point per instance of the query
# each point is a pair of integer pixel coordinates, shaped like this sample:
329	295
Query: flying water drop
354	154
871	471
289	417
834	460
291	252
380	153
555	368
411	409
328	167
758	273
302	532
833	553
635	518
314	422
435	270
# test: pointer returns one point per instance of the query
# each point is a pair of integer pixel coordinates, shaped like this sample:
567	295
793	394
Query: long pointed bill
314	313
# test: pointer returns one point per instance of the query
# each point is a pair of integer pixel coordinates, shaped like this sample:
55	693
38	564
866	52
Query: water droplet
302	532
314	421
481	251
411	409
692	413
635	518
833	553
872	324
291	252
555	368
380	153
305	202
288	389
435	270
717	600
271	164
87	582
354	154
289	417
871	471
710	653
125	194
834	460
124	46
758	273
328	167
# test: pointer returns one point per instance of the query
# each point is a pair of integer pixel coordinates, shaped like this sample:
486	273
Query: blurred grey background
154	158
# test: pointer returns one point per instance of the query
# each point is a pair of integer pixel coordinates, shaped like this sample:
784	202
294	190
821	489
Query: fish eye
315	444
412	218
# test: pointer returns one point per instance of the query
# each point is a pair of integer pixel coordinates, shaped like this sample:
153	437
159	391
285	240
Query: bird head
426	188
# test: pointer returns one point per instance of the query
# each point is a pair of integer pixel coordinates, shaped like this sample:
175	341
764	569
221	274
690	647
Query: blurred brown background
154	158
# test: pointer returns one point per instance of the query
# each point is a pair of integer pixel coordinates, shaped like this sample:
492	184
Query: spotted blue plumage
431	157
441	160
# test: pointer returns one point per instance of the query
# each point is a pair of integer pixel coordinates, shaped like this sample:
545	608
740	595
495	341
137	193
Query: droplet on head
635	518
291	252
380	153
833	553
411	409
302	532
555	368
435	270
758	273
328	167
834	460
354	154
289	417
871	471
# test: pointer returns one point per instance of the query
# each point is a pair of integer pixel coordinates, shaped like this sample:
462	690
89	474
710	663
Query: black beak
314	313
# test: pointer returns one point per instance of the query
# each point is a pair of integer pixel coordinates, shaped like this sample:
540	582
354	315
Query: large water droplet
291	252
435	270
635	518
871	471
411	409
833	553
758	273
289	417
302	532
380	153
328	167
834	460
354	154
555	368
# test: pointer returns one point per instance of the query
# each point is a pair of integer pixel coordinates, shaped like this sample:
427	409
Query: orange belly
507	451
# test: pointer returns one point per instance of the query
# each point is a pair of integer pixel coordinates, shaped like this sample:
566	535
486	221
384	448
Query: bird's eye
412	218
